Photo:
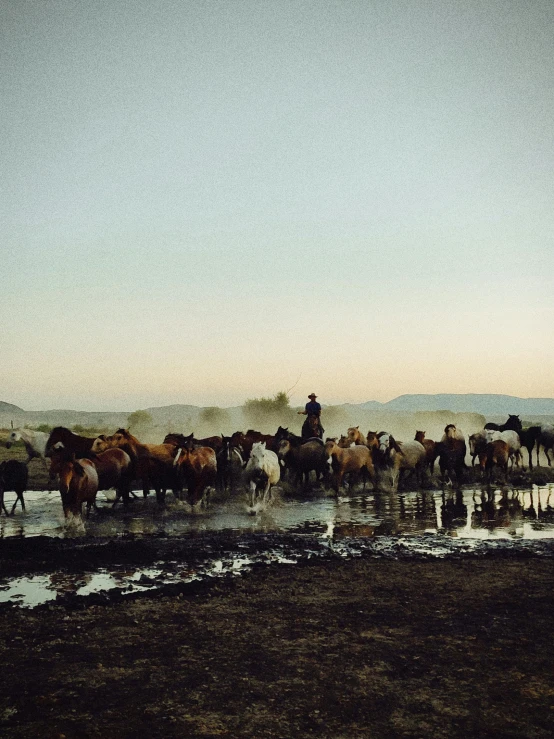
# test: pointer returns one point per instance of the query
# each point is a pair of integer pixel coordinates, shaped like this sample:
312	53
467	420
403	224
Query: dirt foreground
337	649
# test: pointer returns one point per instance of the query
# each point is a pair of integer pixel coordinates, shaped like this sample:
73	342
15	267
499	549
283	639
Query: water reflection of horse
491	515
311	428
453	509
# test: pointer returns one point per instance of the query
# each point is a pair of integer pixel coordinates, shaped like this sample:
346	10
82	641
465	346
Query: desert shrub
214	417
265	414
139	421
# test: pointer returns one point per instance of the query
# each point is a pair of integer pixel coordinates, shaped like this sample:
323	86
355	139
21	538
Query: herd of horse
191	468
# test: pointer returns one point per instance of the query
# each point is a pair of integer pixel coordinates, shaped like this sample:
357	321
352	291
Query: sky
203	202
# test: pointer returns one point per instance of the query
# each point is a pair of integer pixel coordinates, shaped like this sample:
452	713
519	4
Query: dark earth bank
329	647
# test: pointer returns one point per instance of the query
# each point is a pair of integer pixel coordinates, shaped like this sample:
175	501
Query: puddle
420	523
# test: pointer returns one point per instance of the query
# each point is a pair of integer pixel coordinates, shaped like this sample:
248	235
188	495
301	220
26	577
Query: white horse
35	443
262	471
400	457
512	440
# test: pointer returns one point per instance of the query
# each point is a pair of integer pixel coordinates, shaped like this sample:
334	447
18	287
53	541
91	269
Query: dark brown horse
230	463
244	442
529	438
13	476
180	440
311	428
61	437
451	454
301	457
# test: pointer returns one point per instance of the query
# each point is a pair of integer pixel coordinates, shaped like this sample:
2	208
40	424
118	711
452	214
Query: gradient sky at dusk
204	202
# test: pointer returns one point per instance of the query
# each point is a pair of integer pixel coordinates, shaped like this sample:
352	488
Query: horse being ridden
312	428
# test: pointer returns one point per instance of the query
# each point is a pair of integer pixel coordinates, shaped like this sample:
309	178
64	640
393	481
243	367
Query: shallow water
430	522
473	513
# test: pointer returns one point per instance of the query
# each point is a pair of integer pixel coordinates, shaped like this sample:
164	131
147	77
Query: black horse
512	424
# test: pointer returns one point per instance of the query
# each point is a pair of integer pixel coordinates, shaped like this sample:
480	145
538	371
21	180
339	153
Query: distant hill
486	404
9	408
186	418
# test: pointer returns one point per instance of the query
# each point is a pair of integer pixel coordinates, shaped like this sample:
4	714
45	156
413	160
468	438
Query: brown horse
78	485
495	453
197	468
113	467
152	463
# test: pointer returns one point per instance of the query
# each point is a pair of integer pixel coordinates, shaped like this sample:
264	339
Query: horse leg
252	493
19	496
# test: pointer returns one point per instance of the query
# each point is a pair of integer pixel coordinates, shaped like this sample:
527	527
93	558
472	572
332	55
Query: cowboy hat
312	395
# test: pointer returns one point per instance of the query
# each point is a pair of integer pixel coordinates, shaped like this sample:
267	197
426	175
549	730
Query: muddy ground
329	647
332	648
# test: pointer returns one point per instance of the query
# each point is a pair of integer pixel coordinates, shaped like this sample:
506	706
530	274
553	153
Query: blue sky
205	201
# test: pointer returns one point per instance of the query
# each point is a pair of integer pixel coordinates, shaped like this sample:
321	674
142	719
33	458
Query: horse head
513	424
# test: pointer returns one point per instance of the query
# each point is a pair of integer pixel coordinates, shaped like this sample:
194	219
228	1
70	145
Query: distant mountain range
491	406
488	405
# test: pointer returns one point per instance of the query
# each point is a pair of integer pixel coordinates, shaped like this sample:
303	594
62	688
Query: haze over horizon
208	202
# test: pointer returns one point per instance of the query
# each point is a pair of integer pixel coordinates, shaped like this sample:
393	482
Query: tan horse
355	436
429	446
355	459
372	440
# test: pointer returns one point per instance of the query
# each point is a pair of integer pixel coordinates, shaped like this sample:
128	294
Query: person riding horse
312	425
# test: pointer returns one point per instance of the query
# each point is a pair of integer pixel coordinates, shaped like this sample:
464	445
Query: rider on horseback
312	409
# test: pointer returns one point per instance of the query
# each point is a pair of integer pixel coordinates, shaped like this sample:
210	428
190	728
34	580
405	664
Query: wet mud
329	647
